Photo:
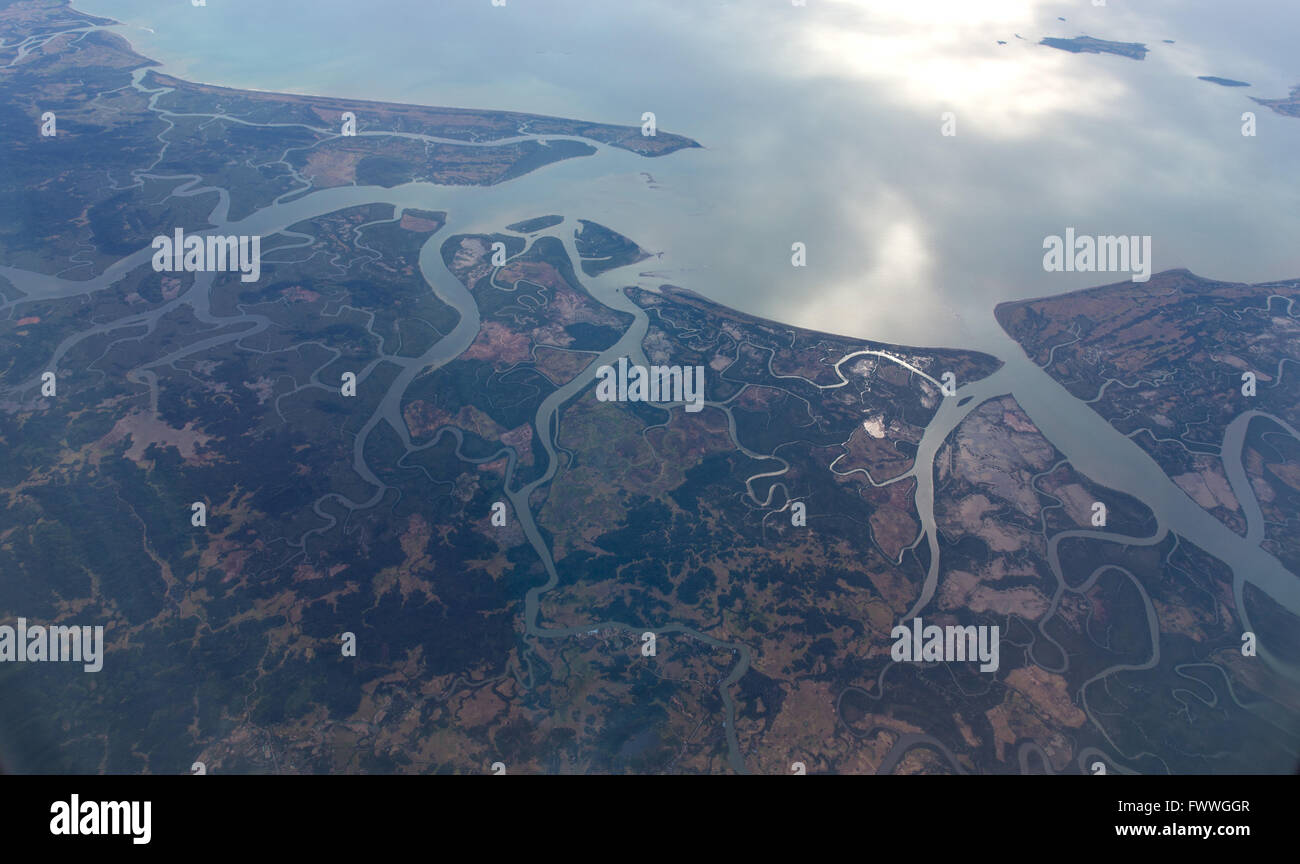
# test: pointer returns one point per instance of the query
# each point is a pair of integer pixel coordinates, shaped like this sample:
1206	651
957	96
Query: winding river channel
1087	440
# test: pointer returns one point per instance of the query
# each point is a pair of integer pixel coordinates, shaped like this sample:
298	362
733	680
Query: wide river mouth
822	125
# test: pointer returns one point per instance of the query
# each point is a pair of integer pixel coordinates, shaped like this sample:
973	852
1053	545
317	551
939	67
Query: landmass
1089	45
603	250
1173	363
531	226
135	148
1222	82
398	443
1288	106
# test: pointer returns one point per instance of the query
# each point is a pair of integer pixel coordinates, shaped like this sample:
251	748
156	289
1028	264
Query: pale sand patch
145	430
956	589
1196	489
415	223
471	251
1048	692
1287	472
1217	481
1077	502
1024	601
1208	486
326	168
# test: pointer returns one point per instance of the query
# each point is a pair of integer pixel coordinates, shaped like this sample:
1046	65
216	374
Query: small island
1222	82
530	226
1089	45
